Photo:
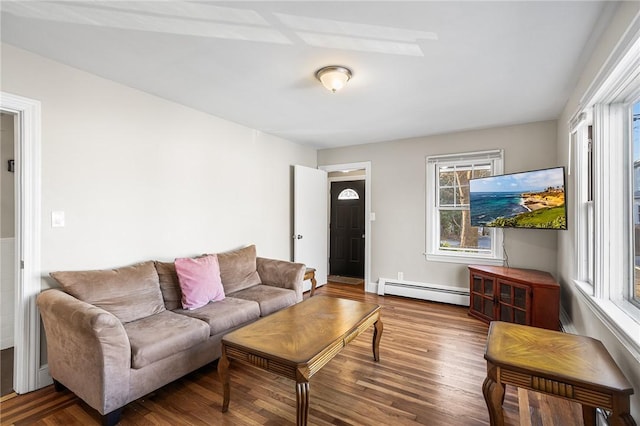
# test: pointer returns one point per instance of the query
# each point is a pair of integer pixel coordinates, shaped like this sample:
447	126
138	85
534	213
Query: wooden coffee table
298	341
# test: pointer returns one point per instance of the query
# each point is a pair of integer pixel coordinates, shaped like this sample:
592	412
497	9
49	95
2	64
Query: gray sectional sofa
114	336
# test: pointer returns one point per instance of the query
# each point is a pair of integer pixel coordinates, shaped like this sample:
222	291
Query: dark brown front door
346	256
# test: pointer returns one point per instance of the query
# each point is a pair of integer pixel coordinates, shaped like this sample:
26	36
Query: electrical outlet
400	276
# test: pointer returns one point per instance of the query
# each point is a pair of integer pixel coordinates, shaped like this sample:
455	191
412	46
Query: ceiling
419	67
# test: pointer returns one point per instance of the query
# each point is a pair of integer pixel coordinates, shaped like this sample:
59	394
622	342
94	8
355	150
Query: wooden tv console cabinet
522	296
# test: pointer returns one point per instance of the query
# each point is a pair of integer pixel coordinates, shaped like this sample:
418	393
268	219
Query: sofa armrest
88	350
280	273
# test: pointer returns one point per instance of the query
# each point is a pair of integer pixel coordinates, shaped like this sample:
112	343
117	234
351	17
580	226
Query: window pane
482	171
348	194
453	184
457	234
447	197
462	186
446	176
636	200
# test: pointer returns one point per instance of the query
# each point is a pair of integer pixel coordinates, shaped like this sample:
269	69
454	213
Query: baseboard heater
424	291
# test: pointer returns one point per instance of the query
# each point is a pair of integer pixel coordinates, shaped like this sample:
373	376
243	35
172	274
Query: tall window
582	140
635	204
450	236
607	193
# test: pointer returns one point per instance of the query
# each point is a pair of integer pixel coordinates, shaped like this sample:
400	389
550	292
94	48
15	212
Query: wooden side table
577	368
310	274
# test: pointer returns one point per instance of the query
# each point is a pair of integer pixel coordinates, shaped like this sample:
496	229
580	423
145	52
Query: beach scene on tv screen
532	199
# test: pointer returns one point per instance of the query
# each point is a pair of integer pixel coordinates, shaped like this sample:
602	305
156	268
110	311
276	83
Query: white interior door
310	221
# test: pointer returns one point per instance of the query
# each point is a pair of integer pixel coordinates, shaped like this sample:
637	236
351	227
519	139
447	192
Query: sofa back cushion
130	293
238	269
169	285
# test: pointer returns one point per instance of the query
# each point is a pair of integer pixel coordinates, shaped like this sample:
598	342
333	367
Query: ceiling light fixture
333	77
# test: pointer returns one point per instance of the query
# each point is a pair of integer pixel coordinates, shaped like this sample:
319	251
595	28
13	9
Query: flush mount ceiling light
333	77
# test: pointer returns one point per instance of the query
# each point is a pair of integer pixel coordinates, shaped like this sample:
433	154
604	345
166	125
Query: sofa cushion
169	284
270	299
158	336
238	269
199	280
225	314
129	293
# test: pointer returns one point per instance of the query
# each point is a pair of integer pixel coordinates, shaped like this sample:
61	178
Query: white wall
139	177
583	318
398	198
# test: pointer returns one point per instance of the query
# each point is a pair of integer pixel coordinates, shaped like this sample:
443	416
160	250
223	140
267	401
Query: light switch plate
57	219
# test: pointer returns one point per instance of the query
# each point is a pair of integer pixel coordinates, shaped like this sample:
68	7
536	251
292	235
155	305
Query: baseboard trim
566	323
44	378
424	291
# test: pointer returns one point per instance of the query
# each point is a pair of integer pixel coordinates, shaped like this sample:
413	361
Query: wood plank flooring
430	373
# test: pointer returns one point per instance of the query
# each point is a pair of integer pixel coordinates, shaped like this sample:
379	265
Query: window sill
464	259
619	322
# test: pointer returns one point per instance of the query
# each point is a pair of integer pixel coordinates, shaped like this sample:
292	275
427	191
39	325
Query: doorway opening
7	250
28	373
348	233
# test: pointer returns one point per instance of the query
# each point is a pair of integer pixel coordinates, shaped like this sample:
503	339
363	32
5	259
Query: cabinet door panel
514	303
482	302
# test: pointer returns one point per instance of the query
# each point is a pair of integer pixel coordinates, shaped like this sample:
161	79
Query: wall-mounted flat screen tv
532	199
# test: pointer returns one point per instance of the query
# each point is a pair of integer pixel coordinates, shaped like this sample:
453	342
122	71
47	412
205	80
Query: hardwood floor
430	373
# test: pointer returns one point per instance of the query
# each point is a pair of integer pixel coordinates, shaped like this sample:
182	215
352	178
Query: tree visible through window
456	231
448	217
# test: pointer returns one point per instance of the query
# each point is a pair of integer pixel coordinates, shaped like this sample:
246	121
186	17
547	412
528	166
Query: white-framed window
635	202
449	234
606	137
582	141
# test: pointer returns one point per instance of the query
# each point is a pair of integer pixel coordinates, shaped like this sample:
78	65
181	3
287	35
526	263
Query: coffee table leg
588	415
302	396
377	335
620	415
494	396
223	373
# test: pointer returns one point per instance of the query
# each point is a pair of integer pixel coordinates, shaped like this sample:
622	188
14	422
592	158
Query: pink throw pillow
199	280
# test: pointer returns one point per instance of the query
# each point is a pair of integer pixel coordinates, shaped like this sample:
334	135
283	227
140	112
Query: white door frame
366	165
26	375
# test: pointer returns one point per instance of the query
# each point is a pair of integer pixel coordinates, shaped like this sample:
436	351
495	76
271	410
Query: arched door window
348	194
